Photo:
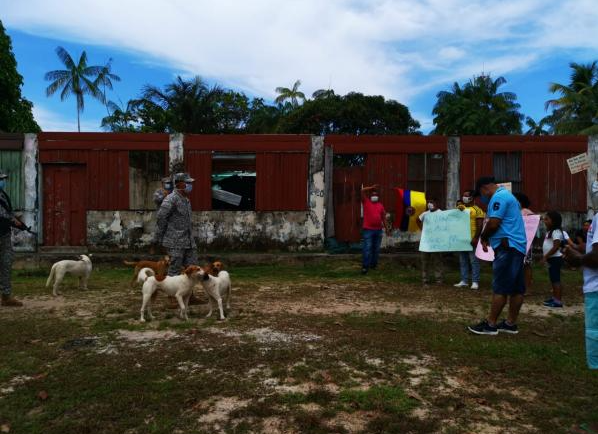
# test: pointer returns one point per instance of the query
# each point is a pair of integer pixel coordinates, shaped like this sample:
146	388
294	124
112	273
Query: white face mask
374	198
467	199
431	206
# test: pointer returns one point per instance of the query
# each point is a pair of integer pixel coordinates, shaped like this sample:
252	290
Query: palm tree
576	110
293	94
535	128
105	78
322	93
78	79
120	118
477	108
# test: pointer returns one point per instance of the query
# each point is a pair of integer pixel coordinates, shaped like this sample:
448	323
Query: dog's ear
191	269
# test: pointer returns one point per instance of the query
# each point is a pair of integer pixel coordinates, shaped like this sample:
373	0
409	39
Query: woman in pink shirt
374	220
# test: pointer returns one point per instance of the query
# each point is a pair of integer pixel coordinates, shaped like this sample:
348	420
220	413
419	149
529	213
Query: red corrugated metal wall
346	195
199	165
389	171
281	181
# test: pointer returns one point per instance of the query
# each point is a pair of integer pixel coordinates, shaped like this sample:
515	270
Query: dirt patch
146	336
219	411
355	422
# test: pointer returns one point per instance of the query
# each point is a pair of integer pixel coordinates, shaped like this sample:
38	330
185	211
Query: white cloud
393	47
49	120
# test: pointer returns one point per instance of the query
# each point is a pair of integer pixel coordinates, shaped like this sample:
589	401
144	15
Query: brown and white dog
160	267
217	285
180	287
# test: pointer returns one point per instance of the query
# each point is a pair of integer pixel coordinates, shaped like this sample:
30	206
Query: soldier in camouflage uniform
162	192
7	221
174	225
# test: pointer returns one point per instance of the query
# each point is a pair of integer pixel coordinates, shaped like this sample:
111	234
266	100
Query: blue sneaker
483	328
503	327
553	303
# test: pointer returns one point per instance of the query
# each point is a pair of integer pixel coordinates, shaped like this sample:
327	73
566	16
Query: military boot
10	301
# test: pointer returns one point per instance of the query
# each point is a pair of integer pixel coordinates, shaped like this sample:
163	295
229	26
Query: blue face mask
2	184
168	186
485	199
188	188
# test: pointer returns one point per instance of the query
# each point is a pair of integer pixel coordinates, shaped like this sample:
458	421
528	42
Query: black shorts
554	269
507	271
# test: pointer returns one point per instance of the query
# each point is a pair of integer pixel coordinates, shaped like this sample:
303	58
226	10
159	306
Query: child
430	261
553	242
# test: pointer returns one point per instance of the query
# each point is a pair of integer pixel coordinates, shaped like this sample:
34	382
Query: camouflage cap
183	177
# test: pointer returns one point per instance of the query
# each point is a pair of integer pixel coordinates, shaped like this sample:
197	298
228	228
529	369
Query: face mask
168	186
431	207
467	199
188	188
374	198
2	184
485	199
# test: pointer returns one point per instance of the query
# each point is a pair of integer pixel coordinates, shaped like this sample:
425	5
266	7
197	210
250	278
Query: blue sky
407	50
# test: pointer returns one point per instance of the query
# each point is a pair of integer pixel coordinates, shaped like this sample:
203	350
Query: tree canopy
15	110
477	108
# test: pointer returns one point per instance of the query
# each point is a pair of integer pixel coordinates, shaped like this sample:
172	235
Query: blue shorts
591	302
507	271
554	269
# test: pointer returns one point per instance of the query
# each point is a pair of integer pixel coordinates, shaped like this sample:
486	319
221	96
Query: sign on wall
579	163
446	231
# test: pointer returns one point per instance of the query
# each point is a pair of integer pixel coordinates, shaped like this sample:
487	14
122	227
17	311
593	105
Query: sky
407	50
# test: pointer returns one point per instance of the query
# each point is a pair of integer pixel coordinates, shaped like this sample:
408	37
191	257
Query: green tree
576	109
120	118
293	94
536	128
77	79
477	108
104	81
15	111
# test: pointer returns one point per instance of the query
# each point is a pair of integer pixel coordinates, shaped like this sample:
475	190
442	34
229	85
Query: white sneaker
461	284
475	285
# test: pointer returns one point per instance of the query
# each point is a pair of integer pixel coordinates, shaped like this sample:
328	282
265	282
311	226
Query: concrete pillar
24	241
328	191
176	153
453	171
316	206
592	175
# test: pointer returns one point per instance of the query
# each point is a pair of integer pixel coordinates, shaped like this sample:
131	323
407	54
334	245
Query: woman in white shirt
551	248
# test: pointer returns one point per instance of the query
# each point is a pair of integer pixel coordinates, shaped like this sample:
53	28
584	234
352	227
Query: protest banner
531	227
446	231
579	163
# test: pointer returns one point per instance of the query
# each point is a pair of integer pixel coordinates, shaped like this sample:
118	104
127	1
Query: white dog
217	288
80	269
180	287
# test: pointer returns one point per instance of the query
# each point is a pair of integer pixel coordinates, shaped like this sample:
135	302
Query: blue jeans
467	259
591	302
507	272
371	247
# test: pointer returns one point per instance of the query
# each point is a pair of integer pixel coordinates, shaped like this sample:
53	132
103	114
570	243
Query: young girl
553	242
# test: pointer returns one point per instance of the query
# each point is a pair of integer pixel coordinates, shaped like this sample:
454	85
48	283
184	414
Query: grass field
305	349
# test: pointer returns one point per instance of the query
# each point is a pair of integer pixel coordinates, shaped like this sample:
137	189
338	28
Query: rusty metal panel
104	141
199	165
346	144
389	171
346	186
65	205
474	165
108	178
11	163
248	142
11	141
281	181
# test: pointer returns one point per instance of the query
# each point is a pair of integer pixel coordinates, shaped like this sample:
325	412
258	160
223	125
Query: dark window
426	173
349	160
233	181
507	168
146	170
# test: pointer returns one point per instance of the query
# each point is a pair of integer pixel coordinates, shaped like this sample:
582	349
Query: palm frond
65	57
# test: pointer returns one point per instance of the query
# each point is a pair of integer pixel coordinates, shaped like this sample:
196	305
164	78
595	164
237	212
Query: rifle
24	227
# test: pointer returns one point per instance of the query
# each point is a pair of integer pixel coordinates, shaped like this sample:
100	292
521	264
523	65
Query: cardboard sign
531	227
579	163
446	231
506	186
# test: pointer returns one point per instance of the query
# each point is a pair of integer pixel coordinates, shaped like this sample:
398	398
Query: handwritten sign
579	163
446	231
531	227
506	185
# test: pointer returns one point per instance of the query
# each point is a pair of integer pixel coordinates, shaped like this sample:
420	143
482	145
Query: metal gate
346	184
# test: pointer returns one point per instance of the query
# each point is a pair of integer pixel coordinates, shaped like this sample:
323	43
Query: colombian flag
406	199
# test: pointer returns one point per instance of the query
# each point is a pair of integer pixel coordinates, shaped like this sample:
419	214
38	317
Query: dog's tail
129	263
51	276
144	274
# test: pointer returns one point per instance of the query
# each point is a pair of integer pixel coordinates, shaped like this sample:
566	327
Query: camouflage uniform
175	231
6	253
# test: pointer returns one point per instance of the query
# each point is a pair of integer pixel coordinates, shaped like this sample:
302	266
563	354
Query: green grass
386	399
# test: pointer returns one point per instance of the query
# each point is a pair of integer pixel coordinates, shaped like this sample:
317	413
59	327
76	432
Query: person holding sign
374	220
469	259
551	248
430	260
590	288
505	233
